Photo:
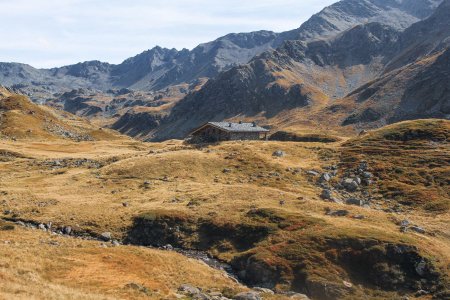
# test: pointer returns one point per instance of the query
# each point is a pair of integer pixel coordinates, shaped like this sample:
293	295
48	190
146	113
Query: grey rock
335	200
363	165
106	236
418	229
279	153
338	213
367	175
350	184
354	201
421	293
20	223
67	230
405	223
263	290
42	227
325	177
188	289
312	173
248	296
168	247
326	194
298	296
421	267
115	243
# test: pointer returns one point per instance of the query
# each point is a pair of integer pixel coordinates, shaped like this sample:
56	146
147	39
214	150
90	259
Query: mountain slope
309	74
420	85
22	119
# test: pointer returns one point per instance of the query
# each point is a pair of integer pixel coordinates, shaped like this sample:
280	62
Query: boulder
312	173
106	236
325	177
188	290
248	296
350	184
363	165
279	153
298	296
263	290
421	267
338	213
67	230
367	175
326	194
405	223
354	201
335	200
42	227
418	229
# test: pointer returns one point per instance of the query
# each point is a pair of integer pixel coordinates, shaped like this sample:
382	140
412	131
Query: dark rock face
256	272
134	124
392	267
190	234
428	93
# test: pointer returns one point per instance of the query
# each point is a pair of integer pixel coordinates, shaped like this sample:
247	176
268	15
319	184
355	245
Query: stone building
227	131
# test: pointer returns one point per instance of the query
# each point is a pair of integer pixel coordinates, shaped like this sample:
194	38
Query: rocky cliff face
415	83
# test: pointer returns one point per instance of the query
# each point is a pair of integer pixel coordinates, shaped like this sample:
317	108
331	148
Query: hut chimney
254	124
229	124
240	122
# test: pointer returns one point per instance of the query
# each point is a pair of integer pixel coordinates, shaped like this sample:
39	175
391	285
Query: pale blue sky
49	33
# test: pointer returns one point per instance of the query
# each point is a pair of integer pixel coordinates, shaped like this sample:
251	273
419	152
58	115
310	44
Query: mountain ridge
302	74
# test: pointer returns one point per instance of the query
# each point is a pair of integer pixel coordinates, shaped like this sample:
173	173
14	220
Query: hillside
22	119
330	220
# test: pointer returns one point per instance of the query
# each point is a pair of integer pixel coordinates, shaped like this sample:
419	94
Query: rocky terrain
341	218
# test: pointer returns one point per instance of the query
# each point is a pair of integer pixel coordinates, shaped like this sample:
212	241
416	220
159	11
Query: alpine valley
103	197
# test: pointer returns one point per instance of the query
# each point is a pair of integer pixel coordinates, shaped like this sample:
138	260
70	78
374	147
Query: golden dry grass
37	265
182	181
